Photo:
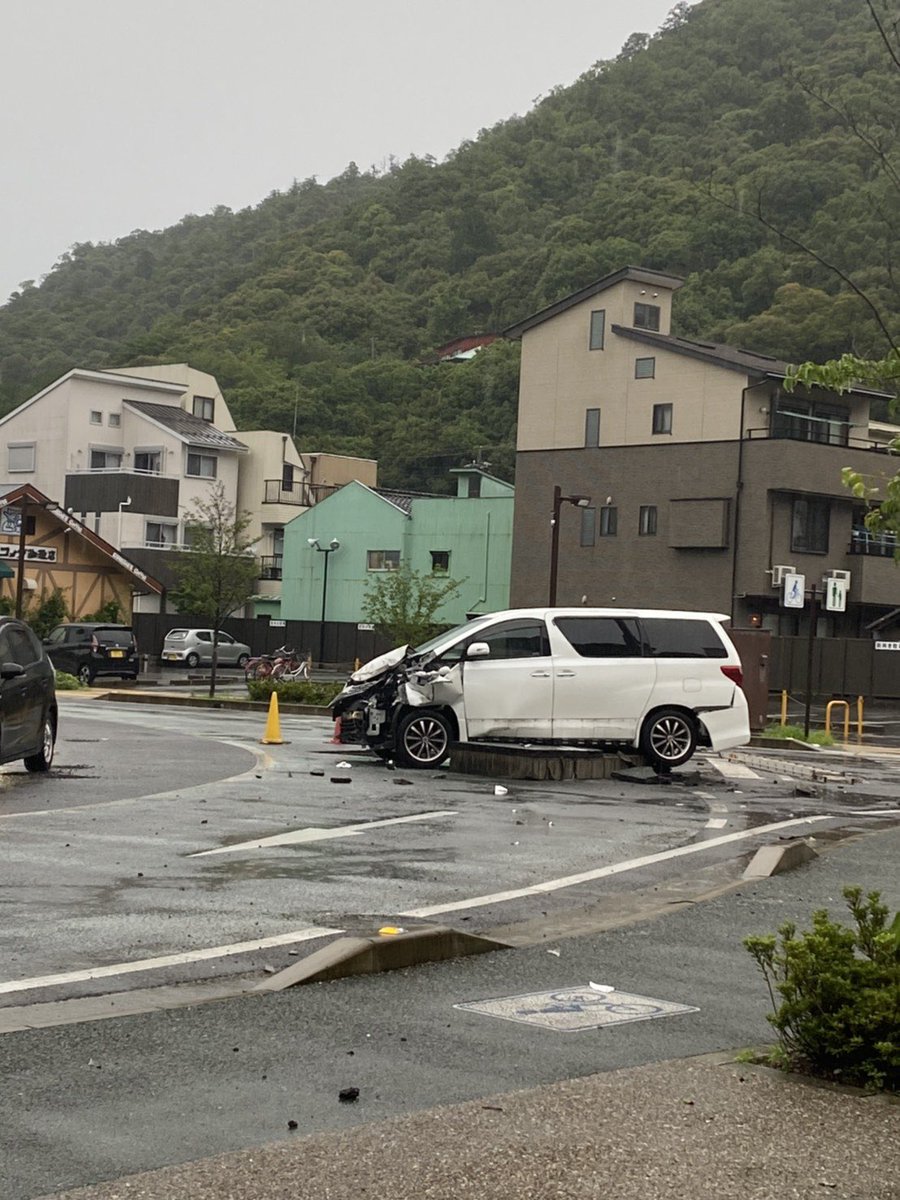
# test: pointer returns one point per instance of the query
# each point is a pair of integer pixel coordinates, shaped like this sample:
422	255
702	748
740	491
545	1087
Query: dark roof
404	500
730	357
185	425
635	274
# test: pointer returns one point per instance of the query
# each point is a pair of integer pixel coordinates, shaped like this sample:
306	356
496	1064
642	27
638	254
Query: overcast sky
127	114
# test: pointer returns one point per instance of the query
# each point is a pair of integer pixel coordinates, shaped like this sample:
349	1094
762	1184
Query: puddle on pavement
324	870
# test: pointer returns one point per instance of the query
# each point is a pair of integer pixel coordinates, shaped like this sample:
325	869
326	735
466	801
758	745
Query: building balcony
270	566
103	491
301	495
798	465
874	545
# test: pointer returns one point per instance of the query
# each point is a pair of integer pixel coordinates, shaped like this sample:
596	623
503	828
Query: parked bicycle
265	665
294	670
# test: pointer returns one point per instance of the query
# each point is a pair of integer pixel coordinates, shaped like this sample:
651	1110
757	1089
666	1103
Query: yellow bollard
272	736
845	705
859	718
784	706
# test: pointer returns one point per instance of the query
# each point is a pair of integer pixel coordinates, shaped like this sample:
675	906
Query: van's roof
674	613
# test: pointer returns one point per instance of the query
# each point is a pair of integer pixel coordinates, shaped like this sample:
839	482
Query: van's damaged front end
398	708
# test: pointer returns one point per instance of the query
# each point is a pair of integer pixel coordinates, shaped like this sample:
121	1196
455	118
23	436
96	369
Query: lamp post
558	501
333	545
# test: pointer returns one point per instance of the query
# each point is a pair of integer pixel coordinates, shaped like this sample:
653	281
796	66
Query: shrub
839	1013
301	691
66	682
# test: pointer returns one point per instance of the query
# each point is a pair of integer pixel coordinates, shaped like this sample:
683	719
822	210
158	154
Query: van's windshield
449	636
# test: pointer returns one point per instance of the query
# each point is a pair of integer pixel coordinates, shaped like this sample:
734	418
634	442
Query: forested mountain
320	305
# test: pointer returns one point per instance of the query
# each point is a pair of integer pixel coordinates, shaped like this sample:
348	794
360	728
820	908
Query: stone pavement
699	1129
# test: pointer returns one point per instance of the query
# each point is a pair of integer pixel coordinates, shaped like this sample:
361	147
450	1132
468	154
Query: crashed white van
662	681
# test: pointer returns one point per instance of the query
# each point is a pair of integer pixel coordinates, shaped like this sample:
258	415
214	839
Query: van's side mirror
11	670
478	650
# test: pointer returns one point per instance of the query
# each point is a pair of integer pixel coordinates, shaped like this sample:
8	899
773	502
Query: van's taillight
735	674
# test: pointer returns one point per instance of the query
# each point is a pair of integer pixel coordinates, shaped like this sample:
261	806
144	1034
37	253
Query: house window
149	461
598	329
106	460
96	417
646	316
474	486
647	520
287	477
21	456
644	368
592	427
204	407
588	526
662	418
440	562
160	534
382	560
609	521
114	420
202	465
809	526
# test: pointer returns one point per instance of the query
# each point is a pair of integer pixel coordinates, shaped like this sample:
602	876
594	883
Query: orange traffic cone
272	736
336	736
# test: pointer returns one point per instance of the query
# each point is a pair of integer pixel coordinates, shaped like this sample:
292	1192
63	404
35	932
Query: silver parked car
195	646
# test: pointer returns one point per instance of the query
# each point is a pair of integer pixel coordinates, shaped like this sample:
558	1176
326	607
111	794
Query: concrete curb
775	860
349	956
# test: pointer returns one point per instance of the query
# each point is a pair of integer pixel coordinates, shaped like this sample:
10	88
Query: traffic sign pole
813	622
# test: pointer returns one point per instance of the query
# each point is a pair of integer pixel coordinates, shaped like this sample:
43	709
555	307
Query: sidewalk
690	1130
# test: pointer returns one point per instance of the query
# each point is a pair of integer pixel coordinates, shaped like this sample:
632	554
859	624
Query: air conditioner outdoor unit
779	573
843	576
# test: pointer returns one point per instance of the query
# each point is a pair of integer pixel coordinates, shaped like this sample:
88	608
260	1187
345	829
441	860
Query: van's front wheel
668	738
423	739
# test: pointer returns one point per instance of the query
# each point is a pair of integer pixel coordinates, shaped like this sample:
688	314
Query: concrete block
348	956
774	860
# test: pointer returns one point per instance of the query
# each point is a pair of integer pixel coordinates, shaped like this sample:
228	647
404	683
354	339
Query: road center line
167	960
634	864
296	837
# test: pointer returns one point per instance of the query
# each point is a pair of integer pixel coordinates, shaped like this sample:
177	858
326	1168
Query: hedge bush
67	683
839	989
301	691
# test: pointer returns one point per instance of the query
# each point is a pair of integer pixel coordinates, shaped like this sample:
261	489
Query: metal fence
841	667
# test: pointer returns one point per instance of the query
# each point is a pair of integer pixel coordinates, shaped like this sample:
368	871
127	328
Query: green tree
403	604
218	574
49	611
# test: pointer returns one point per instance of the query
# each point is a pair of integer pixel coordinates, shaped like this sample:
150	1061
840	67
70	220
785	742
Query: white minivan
662	681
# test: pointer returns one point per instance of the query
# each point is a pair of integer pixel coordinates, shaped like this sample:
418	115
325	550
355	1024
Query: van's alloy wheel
669	737
423	739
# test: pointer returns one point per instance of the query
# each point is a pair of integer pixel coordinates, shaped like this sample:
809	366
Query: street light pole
333	545
558	501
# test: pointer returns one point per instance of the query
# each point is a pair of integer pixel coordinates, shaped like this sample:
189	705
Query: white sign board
887	645
836	595
32	553
365	628
276	624
10	520
794	591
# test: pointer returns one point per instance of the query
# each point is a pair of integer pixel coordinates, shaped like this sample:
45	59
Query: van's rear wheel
423	739
668	738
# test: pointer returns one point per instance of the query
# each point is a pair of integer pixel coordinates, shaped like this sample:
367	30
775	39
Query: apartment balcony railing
301	495
874	545
819	437
270	566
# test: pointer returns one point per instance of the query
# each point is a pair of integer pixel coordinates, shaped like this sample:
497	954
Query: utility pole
20	582
813	622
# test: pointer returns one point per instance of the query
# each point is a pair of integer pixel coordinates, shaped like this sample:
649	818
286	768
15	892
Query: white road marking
634	864
732	770
875	812
167	960
296	837
716	823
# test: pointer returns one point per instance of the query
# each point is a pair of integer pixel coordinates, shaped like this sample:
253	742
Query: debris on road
348	1095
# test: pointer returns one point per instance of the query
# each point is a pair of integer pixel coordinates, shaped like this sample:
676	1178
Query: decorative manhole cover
571	1009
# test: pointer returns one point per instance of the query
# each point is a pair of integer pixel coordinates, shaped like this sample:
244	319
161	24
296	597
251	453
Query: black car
89	648
27	698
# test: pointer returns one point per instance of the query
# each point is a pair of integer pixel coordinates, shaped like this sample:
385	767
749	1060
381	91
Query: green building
467	537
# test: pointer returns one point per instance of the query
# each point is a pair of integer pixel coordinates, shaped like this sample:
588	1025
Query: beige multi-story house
131	453
708	481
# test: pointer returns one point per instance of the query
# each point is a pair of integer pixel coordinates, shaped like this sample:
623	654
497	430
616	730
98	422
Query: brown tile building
706	477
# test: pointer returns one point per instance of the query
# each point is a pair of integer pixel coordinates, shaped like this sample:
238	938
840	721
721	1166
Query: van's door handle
540	674
566	674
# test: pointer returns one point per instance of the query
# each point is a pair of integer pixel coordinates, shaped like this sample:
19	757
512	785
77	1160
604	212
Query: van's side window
517	639
601	637
682	638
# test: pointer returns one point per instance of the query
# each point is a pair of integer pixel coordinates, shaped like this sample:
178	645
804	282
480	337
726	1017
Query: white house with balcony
131	452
